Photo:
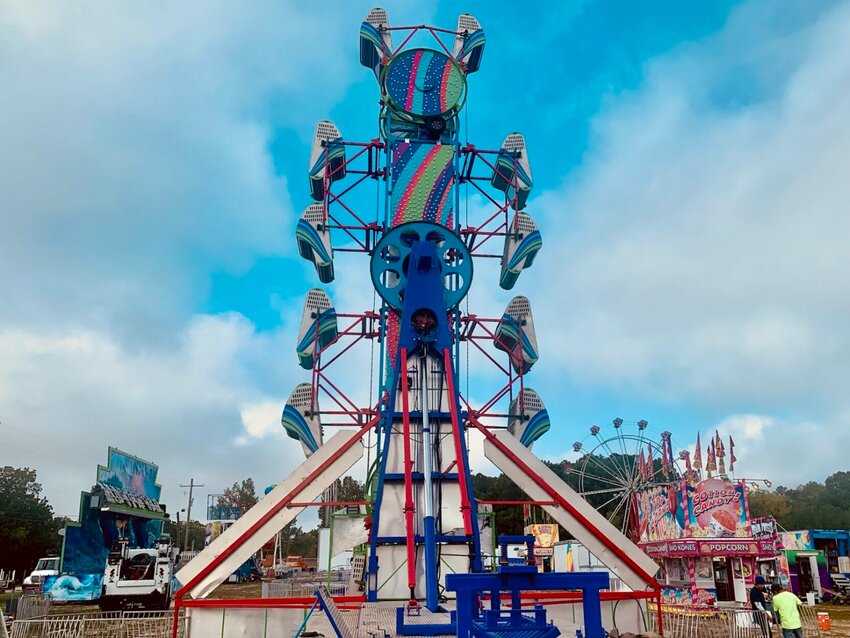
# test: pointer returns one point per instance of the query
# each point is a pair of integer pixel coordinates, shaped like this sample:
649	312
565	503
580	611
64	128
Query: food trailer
701	535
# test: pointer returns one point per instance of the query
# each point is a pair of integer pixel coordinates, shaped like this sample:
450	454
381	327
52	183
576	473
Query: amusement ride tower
424	516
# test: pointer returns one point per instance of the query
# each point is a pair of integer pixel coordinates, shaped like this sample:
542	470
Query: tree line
811	505
29	529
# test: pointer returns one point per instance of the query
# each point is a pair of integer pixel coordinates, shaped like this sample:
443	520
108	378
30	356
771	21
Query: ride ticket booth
702	538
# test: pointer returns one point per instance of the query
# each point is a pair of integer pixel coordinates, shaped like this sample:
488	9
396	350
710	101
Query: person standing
760	606
787	606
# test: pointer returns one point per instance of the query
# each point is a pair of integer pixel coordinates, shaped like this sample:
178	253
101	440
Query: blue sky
690	184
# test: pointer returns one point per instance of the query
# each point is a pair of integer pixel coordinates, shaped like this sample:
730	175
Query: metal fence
129	624
684	622
306	584
33	605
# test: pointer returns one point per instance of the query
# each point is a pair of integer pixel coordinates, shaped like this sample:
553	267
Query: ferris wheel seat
528	418
376	43
512	174
469	43
515	335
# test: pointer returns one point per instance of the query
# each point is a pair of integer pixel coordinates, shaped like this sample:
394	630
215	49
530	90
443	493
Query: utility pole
192	485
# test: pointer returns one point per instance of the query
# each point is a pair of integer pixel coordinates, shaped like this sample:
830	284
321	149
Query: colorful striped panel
423	177
522	257
326	325
507	338
537	426
472	50
424	82
298	428
312	247
504	178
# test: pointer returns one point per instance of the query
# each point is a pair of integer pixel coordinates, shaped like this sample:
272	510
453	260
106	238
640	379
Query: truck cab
138	578
48	566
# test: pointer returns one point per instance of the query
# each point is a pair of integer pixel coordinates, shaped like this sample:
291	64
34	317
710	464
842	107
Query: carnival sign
686	548
660	514
545	535
716	509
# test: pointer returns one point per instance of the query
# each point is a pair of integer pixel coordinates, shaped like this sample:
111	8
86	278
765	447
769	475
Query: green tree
774	503
28	529
346	489
297	542
509	518
197	534
242	495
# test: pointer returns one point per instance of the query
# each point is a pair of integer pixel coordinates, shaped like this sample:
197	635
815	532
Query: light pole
192	485
177	528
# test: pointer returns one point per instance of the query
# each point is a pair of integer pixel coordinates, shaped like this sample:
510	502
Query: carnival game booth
702	538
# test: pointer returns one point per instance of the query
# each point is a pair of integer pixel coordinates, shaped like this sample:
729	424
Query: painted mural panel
799	540
717	509
73	587
661	514
129	474
545	534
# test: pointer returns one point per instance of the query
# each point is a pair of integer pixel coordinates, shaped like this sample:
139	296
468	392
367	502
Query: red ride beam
329	504
491	502
562	502
408	479
227	551
461	466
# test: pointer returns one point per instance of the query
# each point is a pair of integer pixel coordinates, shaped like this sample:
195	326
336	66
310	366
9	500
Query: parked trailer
138	578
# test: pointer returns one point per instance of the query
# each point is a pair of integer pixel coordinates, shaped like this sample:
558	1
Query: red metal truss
370	153
409	508
465	506
649	579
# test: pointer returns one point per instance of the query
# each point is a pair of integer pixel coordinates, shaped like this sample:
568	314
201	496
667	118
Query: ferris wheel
619	462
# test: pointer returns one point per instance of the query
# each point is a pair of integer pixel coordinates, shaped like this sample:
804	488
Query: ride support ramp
625	559
247	535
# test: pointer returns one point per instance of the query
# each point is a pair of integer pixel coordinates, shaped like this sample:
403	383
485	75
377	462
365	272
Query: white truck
138	578
48	566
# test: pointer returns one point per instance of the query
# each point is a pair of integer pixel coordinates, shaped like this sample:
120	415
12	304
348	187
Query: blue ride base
471	621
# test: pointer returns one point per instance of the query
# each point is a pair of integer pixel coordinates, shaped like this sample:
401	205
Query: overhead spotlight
435	126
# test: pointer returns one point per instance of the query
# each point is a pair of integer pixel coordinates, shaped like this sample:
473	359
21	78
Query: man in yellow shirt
785	604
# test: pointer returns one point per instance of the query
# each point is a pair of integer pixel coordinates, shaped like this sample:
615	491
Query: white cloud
260	419
696	258
786	452
134	158
66	398
697	255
